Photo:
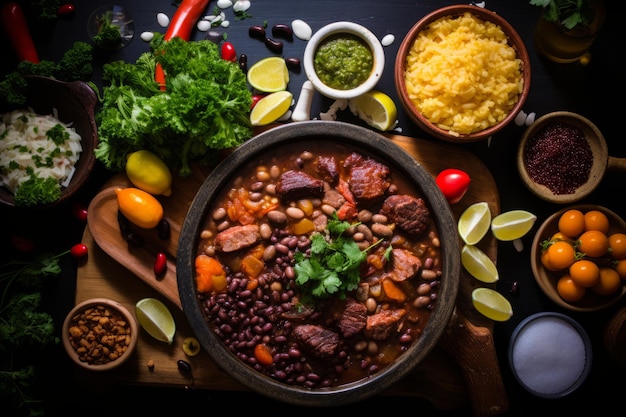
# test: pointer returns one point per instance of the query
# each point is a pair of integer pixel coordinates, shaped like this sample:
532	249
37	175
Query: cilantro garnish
333	267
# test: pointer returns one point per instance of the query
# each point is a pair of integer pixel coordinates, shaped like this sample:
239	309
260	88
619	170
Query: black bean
243	62
257	32
282	31
164	229
274	46
293	64
184	366
514	287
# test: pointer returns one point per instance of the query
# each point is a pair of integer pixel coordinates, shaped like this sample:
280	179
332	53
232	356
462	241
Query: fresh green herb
37	191
109	35
334	266
45	11
570	13
13	91
205	106
25	331
76	63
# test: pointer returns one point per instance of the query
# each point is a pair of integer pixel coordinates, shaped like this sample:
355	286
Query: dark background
596	91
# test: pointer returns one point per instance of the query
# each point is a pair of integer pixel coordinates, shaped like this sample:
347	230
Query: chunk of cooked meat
295	185
407	212
405	265
317	340
381	325
368	179
237	237
327	169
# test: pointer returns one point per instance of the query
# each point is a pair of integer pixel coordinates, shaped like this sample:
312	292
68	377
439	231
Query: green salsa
343	61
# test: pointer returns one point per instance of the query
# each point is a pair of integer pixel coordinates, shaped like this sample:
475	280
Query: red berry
65	10
79	250
228	52
160	264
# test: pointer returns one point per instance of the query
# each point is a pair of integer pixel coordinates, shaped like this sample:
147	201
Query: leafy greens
205	106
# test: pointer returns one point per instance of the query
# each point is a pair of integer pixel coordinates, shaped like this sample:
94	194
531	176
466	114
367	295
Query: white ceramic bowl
348	28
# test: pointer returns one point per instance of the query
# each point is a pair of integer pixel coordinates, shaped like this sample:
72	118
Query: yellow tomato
585	273
569	290
617	244
593	243
596	220
148	172
572	223
562	254
139	207
609	282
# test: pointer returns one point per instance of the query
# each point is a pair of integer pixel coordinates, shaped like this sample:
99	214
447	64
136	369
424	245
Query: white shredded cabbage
24	145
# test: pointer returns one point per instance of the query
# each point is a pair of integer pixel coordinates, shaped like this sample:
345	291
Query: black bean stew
305	319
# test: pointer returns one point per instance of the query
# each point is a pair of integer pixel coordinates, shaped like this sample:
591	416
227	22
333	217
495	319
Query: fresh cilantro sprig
333	267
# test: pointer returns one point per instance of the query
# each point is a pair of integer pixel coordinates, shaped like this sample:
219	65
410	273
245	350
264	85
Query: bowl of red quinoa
562	157
318	264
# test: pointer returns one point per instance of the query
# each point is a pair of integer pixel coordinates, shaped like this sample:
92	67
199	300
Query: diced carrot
252	266
208	272
252	285
263	354
303	227
392	290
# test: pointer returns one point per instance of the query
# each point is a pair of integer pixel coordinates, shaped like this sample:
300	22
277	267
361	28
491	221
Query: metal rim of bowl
583	335
347	28
400	65
360	138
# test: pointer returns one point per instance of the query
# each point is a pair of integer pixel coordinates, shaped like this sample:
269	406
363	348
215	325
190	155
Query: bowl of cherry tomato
578	257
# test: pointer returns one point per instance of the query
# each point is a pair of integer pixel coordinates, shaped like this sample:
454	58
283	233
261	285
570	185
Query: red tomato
453	183
79	250
228	52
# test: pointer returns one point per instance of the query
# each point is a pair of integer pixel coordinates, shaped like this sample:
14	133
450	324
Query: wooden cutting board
123	272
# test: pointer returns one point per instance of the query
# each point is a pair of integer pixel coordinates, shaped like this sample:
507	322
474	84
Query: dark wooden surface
590	90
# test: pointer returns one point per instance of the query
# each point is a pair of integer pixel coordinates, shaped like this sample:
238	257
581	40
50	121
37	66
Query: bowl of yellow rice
462	73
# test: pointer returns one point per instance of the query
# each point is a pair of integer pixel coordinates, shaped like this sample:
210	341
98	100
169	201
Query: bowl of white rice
47	147
462	73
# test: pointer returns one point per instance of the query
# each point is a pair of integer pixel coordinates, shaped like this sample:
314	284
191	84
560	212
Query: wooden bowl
547	280
338	29
75	103
115	321
599	160
400	70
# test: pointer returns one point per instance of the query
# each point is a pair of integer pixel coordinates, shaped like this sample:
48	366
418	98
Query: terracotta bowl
400	70
75	103
309	134
547	280
338	29
600	159
76	327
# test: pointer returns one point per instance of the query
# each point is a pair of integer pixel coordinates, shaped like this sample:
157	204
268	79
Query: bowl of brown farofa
99	334
462	73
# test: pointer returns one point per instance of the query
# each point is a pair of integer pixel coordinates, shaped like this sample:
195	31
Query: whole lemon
139	207
148	172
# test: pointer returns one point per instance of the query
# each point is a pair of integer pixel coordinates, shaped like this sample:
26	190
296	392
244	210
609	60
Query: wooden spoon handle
616	164
473	349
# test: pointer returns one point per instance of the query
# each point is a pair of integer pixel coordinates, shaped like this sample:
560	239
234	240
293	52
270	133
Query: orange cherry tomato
620	267
562	254
585	273
593	243
596	220
568	290
572	223
545	261
608	283
617	245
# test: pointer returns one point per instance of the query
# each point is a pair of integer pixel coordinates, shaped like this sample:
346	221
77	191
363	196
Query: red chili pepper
160	264
181	25
79	250
453	183
228	52
14	22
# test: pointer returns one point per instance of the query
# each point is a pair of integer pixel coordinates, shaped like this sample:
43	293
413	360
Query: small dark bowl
359	139
416	116
75	103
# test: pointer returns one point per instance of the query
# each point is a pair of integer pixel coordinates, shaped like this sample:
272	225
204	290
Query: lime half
491	304
156	319
512	224
474	223
478	264
270	108
269	75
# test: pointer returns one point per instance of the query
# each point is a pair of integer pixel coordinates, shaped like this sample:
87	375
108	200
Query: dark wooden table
592	90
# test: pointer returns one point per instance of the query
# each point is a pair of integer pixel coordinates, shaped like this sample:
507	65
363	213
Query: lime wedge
376	108
474	223
478	264
269	75
270	108
491	304
512	224
156	319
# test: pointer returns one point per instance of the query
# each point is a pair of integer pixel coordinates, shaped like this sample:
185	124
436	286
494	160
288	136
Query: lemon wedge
270	108
478	264
474	223
156	319
376	108
512	224
491	304
269	75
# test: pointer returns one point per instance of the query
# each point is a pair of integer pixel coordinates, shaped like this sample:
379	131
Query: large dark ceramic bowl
74	102
356	139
